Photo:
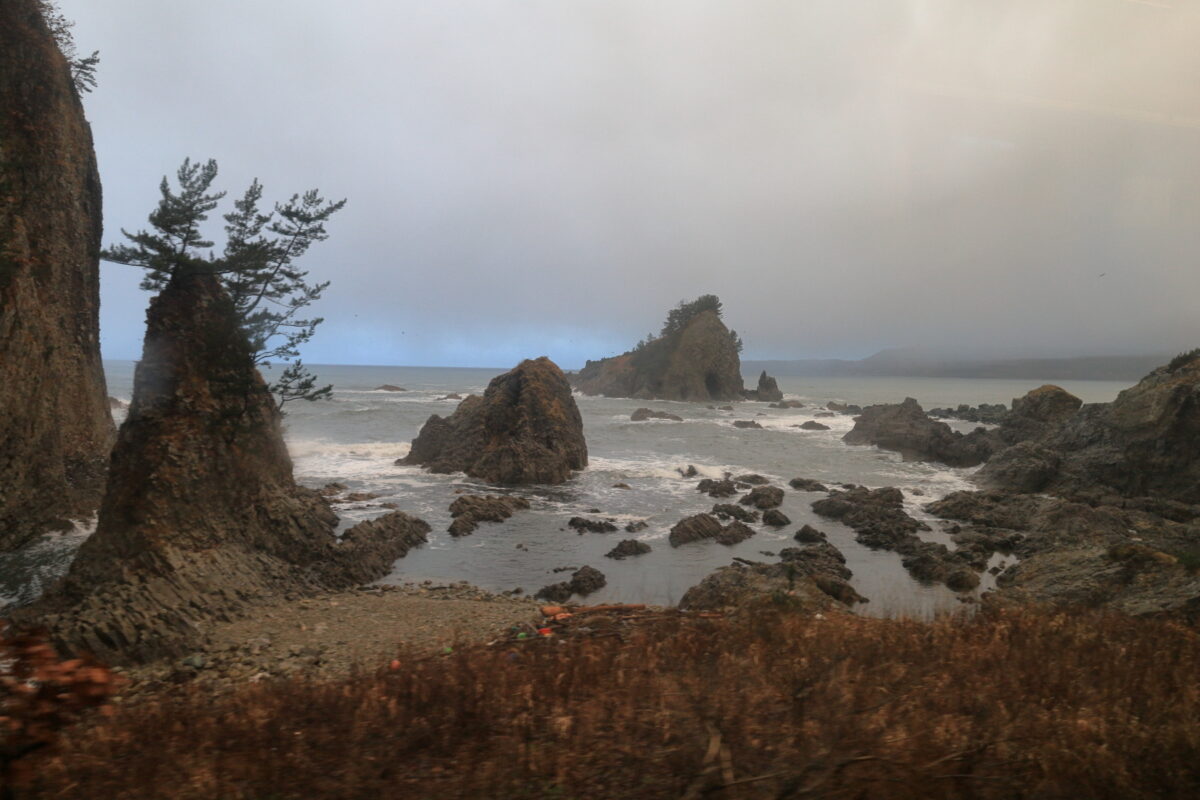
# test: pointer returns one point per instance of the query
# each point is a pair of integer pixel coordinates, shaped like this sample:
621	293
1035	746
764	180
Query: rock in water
700	363
525	429
906	429
56	429
201	513
1141	444
767	391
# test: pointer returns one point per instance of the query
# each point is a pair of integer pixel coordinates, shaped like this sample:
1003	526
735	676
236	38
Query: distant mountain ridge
903	363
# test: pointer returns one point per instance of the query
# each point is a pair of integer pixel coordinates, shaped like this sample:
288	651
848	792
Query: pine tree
257	266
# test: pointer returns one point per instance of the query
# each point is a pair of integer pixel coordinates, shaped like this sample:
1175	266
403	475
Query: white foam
360	460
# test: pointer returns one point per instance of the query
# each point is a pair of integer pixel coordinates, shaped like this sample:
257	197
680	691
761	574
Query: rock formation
643	414
525	428
1144	443
699	363
906	429
201	512
469	510
627	548
55	425
767	391
584	581
812	578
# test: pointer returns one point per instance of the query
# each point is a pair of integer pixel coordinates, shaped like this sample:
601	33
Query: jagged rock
775	518
627	548
636	527
1141	444
56	426
810	535
787	404
753	479
906	429
812	425
807	578
643	414
525	429
807	485
469	510
202	514
844	408
690	472
332	489
699	363
693	529
451	396
584	525
717	488
746	423
768	389
387	387
584	581
117	404
878	516
989	413
734	533
731	511
763	497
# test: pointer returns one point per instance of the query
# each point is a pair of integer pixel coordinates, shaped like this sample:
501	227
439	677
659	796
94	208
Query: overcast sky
550	176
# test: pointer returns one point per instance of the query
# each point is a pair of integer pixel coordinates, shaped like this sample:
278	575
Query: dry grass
776	705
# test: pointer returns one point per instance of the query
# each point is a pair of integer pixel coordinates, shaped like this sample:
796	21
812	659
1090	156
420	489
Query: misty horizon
540	178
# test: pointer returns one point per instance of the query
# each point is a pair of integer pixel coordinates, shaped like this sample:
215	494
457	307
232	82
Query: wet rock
906	429
810	535
584	525
844	408
717	488
643	414
451	396
787	404
636	527
525	429
621	486
767	390
332	489
775	518
690	472
763	497
989	413
746	423
584	581
725	408
877	516
752	479
733	533
387	387
731	511
806	579
807	485
469	510
812	425
627	548
694	529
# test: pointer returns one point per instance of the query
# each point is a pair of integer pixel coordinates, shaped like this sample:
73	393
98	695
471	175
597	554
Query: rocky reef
811	578
906	429
56	429
201	515
699	362
526	428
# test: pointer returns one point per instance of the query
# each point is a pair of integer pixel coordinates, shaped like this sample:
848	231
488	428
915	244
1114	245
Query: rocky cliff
201	513
1144	443
526	428
55	426
699	362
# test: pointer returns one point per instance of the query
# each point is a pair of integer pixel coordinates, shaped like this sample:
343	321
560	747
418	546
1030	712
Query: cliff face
55	425
1144	443
700	363
201	511
525	429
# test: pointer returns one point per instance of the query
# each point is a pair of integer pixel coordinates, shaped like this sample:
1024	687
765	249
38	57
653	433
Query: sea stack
202	513
56	429
526	428
699	362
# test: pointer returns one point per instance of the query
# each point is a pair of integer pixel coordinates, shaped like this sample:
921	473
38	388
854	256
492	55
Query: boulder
775	518
990	413
717	488
636	526
643	414
810	535
787	404
810	578
525	429
878	516
698	363
584	581
807	485
734	533
693	529
731	511
201	513
906	429
763	497
1143	444
844	408
56	428
747	423
627	548
751	479
469	510
812	425
585	525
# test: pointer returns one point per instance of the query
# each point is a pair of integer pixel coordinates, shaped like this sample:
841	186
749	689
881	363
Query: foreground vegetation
769	705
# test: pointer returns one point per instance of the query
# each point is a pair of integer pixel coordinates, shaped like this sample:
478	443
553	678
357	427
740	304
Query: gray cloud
548	176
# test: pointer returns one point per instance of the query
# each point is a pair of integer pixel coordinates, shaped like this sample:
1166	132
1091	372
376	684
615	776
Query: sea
355	438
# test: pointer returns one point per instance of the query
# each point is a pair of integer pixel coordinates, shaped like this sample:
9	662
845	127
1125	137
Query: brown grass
775	705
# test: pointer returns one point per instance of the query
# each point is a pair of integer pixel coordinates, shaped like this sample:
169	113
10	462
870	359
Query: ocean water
356	437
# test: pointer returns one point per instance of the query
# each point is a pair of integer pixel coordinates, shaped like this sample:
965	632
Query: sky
971	177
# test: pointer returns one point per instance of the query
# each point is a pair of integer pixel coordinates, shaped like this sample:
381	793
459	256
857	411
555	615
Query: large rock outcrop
767	391
1144	443
698	363
526	428
906	429
55	426
201	513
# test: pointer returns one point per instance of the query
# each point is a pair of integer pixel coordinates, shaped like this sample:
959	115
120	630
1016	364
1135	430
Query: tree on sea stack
257	266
